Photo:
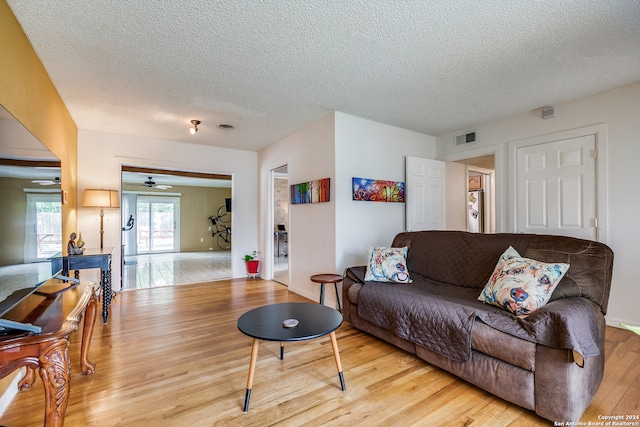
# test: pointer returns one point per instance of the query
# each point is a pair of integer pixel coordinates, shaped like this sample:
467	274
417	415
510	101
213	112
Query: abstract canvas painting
316	191
374	190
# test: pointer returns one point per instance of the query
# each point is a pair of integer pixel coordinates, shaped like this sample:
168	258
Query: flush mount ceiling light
194	129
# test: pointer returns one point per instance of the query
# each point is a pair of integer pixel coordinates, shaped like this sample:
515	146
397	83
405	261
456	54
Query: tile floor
167	269
181	268
281	269
14	277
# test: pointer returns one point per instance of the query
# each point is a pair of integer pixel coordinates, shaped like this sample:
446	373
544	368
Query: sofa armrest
352	276
567	324
356	274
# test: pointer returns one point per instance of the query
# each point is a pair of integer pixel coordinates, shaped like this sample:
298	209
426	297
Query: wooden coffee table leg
336	355
252	369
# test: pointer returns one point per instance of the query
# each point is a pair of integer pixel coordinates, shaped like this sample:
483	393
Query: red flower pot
252	267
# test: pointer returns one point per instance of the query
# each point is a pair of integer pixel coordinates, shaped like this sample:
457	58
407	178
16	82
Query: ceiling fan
54	181
151	184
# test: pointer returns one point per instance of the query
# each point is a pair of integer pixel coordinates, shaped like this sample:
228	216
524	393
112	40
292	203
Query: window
43	226
157	220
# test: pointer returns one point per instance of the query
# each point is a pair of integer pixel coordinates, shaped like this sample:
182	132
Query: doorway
168	235
280	191
479	194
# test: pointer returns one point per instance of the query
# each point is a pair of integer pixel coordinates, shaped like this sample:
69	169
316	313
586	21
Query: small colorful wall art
374	190
310	192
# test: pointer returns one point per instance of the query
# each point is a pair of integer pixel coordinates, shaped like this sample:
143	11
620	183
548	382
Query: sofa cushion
503	346
521	285
460	258
387	265
431	315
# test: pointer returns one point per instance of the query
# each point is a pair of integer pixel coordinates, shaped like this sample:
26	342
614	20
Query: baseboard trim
616	322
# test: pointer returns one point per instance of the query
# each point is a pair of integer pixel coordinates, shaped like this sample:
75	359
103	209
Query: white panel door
424	191
556	188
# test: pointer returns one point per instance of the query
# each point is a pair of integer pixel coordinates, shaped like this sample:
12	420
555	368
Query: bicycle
221	231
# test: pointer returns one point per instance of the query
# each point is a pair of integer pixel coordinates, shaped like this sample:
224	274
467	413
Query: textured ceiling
269	68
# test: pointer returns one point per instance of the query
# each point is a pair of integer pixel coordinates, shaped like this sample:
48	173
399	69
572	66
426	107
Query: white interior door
556	188
424	191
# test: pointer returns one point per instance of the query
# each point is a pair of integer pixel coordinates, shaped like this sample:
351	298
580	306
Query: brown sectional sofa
550	362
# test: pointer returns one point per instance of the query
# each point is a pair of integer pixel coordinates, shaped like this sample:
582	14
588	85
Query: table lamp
101	199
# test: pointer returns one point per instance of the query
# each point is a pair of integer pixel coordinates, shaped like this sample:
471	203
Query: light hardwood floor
173	356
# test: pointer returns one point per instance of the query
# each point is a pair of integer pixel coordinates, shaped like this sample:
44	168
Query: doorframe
267	218
500	193
490	197
273	176
602	147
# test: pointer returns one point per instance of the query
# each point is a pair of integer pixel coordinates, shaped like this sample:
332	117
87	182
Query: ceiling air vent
548	112
467	138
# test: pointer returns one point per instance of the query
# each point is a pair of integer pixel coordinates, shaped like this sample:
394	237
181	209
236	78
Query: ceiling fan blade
55	181
151	184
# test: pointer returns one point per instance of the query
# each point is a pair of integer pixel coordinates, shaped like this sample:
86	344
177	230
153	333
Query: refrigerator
475	214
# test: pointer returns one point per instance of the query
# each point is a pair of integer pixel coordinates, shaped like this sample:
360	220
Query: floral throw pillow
521	285
387	265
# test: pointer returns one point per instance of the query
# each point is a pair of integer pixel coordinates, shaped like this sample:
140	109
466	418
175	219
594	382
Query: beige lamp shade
101	199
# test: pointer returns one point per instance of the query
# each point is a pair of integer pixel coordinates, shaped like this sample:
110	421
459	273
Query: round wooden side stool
328	278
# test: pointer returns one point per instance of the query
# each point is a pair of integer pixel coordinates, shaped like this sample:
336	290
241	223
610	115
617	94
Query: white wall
309	153
328	237
619	108
368	149
101	155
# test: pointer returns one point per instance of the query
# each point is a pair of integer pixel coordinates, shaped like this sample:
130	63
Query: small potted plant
253	264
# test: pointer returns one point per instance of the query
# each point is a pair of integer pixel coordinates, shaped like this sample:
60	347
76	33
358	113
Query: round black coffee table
266	323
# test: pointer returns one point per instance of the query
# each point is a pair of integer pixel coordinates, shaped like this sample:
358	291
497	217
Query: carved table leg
55	371
86	365
27	381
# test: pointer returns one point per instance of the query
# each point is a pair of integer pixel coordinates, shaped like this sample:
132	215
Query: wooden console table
92	258
58	310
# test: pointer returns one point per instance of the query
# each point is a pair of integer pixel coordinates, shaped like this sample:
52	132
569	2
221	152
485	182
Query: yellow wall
27	92
14	213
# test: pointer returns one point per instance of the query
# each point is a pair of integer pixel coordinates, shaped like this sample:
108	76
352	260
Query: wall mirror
30	211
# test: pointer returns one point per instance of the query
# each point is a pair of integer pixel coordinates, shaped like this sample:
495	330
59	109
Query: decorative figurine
80	243
72	249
